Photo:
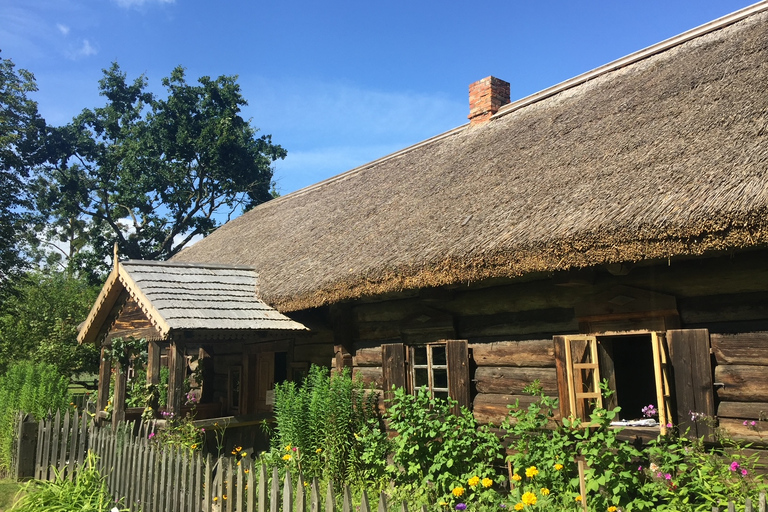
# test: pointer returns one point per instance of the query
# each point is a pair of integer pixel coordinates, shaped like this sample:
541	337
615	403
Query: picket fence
152	478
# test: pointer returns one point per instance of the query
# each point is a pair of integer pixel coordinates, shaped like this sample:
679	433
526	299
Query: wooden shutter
393	367
578	375
458	372
691	364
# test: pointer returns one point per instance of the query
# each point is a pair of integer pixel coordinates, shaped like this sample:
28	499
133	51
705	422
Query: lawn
8	490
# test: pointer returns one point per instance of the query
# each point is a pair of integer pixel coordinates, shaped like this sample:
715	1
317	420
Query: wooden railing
154	478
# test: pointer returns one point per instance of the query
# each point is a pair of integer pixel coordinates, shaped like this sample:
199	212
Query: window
443	367
429	368
670	370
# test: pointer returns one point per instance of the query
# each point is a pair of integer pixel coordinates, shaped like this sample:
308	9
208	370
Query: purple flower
503	505
668	476
461	506
649	411
639	468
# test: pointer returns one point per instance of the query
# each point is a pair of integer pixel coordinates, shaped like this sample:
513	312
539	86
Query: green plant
181	432
436	450
86	493
32	387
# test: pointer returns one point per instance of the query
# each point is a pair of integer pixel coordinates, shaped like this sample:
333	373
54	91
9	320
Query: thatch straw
665	157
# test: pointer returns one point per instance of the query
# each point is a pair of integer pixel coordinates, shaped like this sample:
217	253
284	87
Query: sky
336	83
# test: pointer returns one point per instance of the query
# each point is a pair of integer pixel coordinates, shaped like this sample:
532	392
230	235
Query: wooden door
261	380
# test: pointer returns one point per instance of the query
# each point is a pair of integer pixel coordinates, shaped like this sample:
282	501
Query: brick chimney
486	97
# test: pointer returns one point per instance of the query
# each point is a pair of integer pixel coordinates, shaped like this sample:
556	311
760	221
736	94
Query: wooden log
367	355
550	320
744	410
512	380
494	407
742	383
371	376
736	430
743	348
529	353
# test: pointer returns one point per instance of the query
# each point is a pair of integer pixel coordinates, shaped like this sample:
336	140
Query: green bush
32	387
320	423
437	452
86	493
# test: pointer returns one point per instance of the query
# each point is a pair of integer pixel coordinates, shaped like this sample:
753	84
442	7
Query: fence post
26	449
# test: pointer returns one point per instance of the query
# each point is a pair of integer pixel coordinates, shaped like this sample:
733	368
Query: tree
40	322
21	148
154	173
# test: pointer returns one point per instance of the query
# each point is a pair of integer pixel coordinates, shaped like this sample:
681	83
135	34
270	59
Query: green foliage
40	322
153	173
21	148
35	388
180	432
320	426
86	493
435	449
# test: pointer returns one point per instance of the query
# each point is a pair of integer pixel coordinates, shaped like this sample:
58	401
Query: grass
8	490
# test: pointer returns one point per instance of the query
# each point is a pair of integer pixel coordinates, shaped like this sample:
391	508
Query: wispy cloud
63	29
127	4
83	50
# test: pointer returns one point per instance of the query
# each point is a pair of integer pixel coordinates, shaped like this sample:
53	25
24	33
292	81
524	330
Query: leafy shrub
319	425
439	452
86	493
33	387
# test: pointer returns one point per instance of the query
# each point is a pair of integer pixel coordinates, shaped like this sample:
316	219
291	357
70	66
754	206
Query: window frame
430	367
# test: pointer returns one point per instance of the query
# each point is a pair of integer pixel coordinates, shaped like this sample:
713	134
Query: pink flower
668	476
734	466
639	468
151	435
752	423
743	472
745	423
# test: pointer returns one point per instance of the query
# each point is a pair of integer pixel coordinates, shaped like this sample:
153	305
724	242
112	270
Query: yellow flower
306	484
238	463
516	477
531	472
286	457
544	491
239	448
558	467
443	503
215	498
528	498
578	498
519	506
473	481
224	497
487	482
318	450
458	491
612	509
288	448
193	446
246	471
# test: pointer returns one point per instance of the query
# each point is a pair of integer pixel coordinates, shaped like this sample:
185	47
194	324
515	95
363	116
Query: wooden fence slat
761	503
151	474
382	502
82	446
287	492
40	444
314	496
300	502
173	481
748	505
73	445
403	507
46	447
274	504
183	481
239	486
263	488
199	491
191	489
65	433
249	487
364	506
52	462
229	489
208	483
330	498
346	505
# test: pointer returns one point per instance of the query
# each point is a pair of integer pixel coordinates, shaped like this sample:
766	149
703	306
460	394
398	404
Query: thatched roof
187	297
663	154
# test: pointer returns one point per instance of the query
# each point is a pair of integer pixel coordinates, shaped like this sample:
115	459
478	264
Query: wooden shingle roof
188	297
661	154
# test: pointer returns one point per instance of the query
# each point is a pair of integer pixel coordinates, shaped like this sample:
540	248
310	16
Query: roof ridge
634	57
213	266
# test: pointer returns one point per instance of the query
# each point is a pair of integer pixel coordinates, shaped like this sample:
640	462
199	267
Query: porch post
118	402
153	369
105	373
177	365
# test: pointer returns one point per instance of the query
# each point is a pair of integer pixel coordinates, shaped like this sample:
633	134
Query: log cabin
609	228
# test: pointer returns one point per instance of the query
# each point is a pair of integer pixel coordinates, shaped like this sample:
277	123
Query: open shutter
393	367
578	375
458	372
689	354
663	380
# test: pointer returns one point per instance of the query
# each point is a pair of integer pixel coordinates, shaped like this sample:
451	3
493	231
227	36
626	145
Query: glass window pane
441	394
440	378
420	356
438	355
420	377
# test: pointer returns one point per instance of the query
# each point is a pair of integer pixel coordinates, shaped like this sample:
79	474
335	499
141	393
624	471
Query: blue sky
336	83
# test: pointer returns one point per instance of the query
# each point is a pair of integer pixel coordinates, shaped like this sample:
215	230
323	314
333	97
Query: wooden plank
118	400
367	355
528	353
370	375
192	491
743	433
458	373
105	374
330	498
229	490
176	364
150	476
512	380
364	505
163	493
300	502
743	410
41	442
66	434
561	371
208	483
314	497
382	507
689	359
182	479
54	446
346	503
743	348
742	383
250	488
494	407
82	451
262	488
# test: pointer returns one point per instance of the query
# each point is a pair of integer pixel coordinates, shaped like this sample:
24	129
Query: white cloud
127	4
63	29
87	49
